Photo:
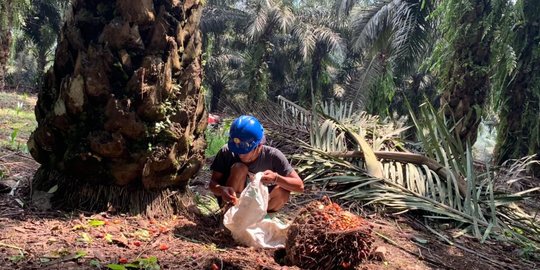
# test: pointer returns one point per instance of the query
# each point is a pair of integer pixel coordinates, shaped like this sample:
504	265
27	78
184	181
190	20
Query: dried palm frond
513	175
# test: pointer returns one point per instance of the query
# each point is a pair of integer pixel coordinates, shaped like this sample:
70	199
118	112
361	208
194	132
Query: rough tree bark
5	44
6	24
466	83
121	115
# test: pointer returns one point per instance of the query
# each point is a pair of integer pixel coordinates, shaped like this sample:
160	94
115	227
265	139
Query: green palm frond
411	36
12	13
217	19
255	71
360	81
233	60
399	28
393	38
338	110
303	33
309	36
220	68
369	22
342	8
259	23
282	17
443	183
320	15
331	39
328	137
440	143
268	16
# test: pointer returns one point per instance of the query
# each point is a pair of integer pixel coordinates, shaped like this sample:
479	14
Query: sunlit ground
17	119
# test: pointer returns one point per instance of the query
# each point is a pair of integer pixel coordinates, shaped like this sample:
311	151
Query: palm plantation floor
52	239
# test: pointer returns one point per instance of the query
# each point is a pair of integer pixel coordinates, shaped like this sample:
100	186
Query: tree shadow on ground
206	230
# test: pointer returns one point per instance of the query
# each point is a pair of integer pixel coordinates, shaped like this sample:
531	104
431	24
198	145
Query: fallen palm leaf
96	222
406	157
10	246
85	238
442	182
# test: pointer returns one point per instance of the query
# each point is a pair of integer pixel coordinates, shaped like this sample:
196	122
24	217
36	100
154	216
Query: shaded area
48	239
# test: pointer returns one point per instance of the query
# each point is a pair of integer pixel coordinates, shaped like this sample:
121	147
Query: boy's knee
237	178
278	198
239	167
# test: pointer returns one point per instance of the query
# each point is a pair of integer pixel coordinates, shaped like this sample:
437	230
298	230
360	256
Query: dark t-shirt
270	158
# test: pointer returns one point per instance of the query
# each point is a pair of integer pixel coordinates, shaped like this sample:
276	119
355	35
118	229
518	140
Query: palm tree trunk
5	39
217	89
41	63
121	117
315	71
519	130
41	59
466	82
5	44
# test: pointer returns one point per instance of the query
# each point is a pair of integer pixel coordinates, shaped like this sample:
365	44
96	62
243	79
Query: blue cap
246	134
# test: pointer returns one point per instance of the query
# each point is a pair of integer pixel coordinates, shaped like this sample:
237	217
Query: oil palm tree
42	26
461	61
519	96
321	48
12	13
221	75
222	26
240	44
121	115
268	19
392	38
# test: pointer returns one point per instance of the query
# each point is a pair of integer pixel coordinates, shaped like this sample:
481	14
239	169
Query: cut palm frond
441	182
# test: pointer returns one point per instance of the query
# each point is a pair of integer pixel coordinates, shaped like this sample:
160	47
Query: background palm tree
42	26
461	61
241	41
268	20
12	13
519	94
221	75
392	38
322	51
121	116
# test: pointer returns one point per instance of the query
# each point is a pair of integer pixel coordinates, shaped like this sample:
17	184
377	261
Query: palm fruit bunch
324	236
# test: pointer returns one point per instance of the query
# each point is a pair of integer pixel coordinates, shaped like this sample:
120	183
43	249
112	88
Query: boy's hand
229	195
269	177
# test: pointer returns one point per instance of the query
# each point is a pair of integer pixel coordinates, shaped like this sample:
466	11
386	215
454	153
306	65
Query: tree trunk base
77	195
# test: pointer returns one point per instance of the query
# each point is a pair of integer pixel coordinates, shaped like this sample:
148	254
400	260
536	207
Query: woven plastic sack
246	220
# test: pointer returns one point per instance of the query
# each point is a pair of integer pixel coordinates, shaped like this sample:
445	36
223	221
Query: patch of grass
206	204
150	263
17	120
215	139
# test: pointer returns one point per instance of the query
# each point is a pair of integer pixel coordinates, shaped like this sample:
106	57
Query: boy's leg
278	198
237	177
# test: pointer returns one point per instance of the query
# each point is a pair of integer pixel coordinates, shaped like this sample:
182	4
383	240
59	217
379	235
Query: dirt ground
53	239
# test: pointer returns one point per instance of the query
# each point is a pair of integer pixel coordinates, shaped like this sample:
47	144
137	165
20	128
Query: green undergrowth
17	120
